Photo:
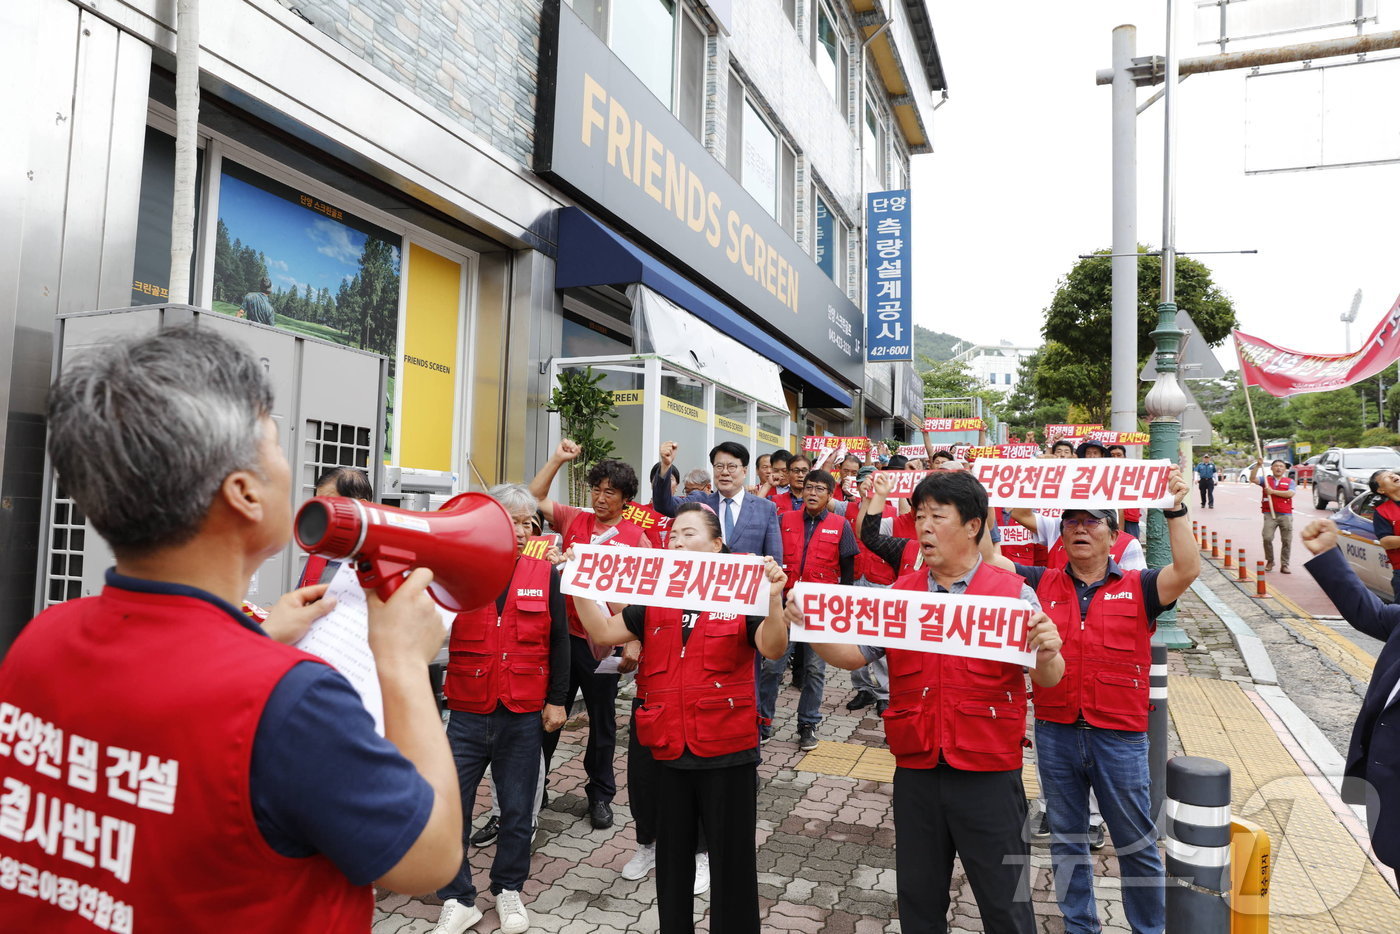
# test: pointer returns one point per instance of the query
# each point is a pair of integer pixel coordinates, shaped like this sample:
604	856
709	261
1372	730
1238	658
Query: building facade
487	195
996	366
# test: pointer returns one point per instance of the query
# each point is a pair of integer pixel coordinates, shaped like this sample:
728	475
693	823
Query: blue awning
591	254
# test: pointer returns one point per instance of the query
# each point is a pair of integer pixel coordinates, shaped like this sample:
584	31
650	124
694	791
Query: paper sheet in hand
691	580
341	637
994	628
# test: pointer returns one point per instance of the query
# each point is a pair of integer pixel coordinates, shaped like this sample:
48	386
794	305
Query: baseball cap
865	471
1096	513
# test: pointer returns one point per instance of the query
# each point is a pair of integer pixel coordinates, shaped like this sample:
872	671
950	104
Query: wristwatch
1174	513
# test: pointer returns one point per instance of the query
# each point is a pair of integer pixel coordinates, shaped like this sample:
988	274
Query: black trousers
599	699
978	816
1207	492
643	773
724	802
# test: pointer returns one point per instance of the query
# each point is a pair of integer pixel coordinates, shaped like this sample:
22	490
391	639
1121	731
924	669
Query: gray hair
699	476
516	497
142	432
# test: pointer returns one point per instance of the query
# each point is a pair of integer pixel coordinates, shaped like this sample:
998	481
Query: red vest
817	559
1108	654
969	711
1388	509
1283	505
1059	558
871	566
696	694
782	500
1018	543
581	530
503	659
138	778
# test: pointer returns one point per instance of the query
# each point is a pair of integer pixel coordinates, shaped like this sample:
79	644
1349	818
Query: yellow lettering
744	252
619	134
675	185
593	93
772	278
637	140
794	278
712	235
653	167
760	257
732	223
695	204
781	280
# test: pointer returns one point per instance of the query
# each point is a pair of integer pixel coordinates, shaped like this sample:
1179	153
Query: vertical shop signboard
889	319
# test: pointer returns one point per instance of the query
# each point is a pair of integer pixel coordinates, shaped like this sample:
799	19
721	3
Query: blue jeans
510	743
809	705
1114	763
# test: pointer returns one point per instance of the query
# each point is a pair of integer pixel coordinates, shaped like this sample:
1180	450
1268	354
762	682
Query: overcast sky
1018	184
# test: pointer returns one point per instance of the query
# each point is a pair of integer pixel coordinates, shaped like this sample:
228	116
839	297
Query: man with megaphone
234	782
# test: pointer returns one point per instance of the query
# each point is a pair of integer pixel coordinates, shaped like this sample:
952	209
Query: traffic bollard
1205	539
1195	529
1261	587
1214	545
1229	553
1198	846
1244	574
1251	867
1157	728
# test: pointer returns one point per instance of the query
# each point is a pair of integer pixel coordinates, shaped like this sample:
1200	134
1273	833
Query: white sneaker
514	919
702	873
641	863
456	917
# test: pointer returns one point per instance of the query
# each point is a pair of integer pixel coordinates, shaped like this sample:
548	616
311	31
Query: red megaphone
468	544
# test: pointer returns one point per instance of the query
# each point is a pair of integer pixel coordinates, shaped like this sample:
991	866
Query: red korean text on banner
913	450
1055	433
1098	483
715	583
1105	436
1018	450
812	443
902	482
995	628
1281	372
954	424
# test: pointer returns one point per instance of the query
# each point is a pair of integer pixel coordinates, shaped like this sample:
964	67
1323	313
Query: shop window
760	171
763	162
787	191
873	143
150	275
790	10
734	128
829	54
586	337
829	244
690	76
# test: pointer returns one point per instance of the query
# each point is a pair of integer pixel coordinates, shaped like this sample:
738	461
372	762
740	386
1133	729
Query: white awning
670	332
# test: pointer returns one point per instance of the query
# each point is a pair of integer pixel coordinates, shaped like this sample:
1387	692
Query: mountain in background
935	345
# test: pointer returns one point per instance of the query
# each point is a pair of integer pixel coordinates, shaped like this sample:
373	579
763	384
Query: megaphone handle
389	585
382	574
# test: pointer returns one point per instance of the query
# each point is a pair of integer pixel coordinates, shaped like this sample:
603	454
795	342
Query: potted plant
585	410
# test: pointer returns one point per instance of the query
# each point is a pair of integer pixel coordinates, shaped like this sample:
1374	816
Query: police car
1357	539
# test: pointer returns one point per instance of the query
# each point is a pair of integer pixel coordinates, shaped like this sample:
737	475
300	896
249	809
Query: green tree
1330	419
1025	409
1078	324
585	410
935	345
1379	436
378	294
1275	417
224	265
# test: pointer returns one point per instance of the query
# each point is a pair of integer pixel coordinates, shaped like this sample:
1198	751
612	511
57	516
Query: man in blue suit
1373	761
748	523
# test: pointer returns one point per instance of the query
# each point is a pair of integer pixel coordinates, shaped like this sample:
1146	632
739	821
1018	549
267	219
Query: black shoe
764	735
798	681
1041	833
862	699
880	707
487	834
807	738
600	813
1096	837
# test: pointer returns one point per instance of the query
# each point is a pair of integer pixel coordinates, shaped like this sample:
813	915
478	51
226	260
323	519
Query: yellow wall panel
429	360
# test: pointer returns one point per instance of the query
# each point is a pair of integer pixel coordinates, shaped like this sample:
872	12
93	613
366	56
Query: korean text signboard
812	443
954	424
902	482
995	628
1098	483
1054	433
889	318
1119	437
602	134
713	583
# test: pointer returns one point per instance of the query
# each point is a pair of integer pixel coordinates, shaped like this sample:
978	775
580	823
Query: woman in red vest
1386	521
956	727
699	717
1091	727
338	481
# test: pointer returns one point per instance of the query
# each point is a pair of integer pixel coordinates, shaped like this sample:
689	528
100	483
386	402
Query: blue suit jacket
1373	761
755	531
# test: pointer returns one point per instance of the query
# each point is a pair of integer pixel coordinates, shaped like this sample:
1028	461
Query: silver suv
1343	472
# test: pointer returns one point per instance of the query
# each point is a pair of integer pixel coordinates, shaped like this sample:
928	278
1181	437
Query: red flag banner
812	443
1119	437
954	424
1054	433
1281	372
1097	483
691	580
995	628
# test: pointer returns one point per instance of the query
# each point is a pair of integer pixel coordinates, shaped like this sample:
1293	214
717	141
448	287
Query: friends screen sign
603	135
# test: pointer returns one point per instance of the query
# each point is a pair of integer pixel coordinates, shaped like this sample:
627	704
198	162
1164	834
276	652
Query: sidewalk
825	828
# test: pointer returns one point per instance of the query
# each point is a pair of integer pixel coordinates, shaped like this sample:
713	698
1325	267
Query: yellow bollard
1251	864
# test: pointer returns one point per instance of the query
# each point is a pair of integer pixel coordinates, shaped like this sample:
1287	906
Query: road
1236	517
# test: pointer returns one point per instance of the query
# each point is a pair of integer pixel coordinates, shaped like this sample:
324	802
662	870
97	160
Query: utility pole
1124	262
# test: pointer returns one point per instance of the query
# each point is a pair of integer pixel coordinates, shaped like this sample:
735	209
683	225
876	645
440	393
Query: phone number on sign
900	351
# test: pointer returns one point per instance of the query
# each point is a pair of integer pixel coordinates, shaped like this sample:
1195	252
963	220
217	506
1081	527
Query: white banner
1096	483
902	482
994	628
688	580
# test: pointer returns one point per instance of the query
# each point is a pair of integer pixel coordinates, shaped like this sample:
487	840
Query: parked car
1303	473
1343	472
1357	539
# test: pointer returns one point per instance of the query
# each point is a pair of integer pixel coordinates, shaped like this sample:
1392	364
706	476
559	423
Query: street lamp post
1166	402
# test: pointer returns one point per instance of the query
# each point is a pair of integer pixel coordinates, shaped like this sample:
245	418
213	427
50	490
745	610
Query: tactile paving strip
849	760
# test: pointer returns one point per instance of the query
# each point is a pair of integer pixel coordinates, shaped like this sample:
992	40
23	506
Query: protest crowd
983	602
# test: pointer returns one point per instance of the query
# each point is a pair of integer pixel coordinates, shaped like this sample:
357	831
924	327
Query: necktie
728	520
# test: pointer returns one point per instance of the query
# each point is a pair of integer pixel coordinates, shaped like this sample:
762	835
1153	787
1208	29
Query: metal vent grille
67	537
335	444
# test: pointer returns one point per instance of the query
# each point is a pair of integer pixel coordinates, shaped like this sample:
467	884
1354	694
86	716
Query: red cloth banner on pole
954	424
995	628
1054	433
1281	372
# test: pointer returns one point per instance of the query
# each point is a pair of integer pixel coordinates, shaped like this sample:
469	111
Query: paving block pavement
825	832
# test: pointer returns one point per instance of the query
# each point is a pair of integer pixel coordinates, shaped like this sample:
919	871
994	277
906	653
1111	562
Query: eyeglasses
1088	522
727	468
